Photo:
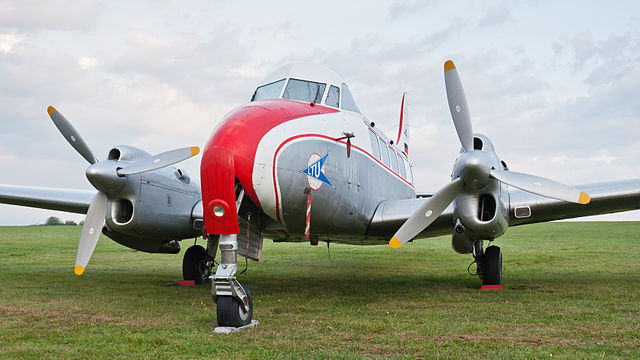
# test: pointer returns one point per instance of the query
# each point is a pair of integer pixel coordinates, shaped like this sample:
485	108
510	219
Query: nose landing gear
233	300
489	263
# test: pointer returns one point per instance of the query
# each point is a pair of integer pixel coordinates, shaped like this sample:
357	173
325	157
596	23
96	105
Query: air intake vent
121	211
522	212
114	154
477	144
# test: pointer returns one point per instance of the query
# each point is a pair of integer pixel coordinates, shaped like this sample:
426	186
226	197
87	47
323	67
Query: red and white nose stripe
230	154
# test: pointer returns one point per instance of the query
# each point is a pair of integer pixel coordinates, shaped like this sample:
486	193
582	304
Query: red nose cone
230	153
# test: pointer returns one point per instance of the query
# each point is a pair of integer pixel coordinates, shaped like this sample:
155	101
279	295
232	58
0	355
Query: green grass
572	290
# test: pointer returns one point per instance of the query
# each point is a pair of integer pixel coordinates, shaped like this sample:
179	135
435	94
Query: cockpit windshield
303	90
268	91
348	103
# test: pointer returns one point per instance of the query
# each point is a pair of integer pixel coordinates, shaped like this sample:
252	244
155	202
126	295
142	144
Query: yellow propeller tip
51	110
79	270
448	65
584	198
195	150
395	243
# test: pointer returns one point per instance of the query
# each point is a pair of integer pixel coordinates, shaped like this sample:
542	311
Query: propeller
105	177
474	170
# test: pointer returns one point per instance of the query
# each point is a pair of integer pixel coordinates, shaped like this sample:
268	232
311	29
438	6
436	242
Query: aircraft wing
391	214
75	201
524	208
528	208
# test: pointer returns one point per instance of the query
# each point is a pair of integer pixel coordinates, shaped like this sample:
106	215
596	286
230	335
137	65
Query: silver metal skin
69	200
104	177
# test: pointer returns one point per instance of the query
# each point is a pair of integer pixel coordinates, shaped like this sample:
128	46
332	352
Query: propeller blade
458	105
159	161
541	186
91	231
427	213
71	134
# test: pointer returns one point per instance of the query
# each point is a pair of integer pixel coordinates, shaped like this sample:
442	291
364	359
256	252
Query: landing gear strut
489	263
233	300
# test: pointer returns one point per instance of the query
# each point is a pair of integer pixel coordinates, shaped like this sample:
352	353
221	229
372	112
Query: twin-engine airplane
301	163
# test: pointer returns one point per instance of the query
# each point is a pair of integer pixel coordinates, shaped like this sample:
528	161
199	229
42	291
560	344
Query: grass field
572	290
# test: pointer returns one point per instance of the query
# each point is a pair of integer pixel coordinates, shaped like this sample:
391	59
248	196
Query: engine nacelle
482	213
152	209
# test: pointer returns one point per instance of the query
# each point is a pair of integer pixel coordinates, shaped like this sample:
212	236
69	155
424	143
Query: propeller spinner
107	177
473	170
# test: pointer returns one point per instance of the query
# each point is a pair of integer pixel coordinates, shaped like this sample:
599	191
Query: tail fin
403	128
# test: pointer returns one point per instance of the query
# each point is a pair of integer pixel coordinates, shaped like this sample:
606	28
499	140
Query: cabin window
302	90
348	103
374	144
333	97
403	172
385	153
394	161
269	91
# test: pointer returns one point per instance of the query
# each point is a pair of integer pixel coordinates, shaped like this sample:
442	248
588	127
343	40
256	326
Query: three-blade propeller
474	172
98	209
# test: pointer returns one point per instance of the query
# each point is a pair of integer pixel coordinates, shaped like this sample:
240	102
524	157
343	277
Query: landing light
218	211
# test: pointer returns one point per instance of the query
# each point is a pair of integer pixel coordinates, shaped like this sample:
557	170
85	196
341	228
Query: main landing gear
489	263
198	261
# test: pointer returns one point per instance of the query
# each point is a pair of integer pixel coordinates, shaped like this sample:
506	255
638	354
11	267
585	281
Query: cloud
52	14
403	8
495	16
9	40
87	63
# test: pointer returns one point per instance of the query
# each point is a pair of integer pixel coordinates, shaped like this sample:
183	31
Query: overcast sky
555	85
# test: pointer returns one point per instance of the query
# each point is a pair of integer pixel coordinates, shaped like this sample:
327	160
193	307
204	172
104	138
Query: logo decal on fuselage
315	171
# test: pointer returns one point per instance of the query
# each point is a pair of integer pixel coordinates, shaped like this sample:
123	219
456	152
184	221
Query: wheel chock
231	329
187	283
491	287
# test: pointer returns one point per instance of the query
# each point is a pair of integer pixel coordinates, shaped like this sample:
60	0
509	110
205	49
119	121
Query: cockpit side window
333	97
302	90
348	103
268	91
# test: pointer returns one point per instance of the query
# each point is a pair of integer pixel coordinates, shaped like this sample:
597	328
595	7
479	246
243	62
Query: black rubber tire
230	312
194	265
492	266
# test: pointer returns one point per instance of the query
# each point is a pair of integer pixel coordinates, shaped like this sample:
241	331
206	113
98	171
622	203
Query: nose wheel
231	312
489	263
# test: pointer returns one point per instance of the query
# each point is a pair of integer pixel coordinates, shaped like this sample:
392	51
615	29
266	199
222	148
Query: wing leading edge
74	201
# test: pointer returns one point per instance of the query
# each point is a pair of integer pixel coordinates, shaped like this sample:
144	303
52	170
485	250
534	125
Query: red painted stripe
401	118
307	226
241	130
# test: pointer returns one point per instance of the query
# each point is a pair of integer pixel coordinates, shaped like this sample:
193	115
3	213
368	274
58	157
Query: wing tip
584	198
395	243
448	65
51	110
195	150
79	270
